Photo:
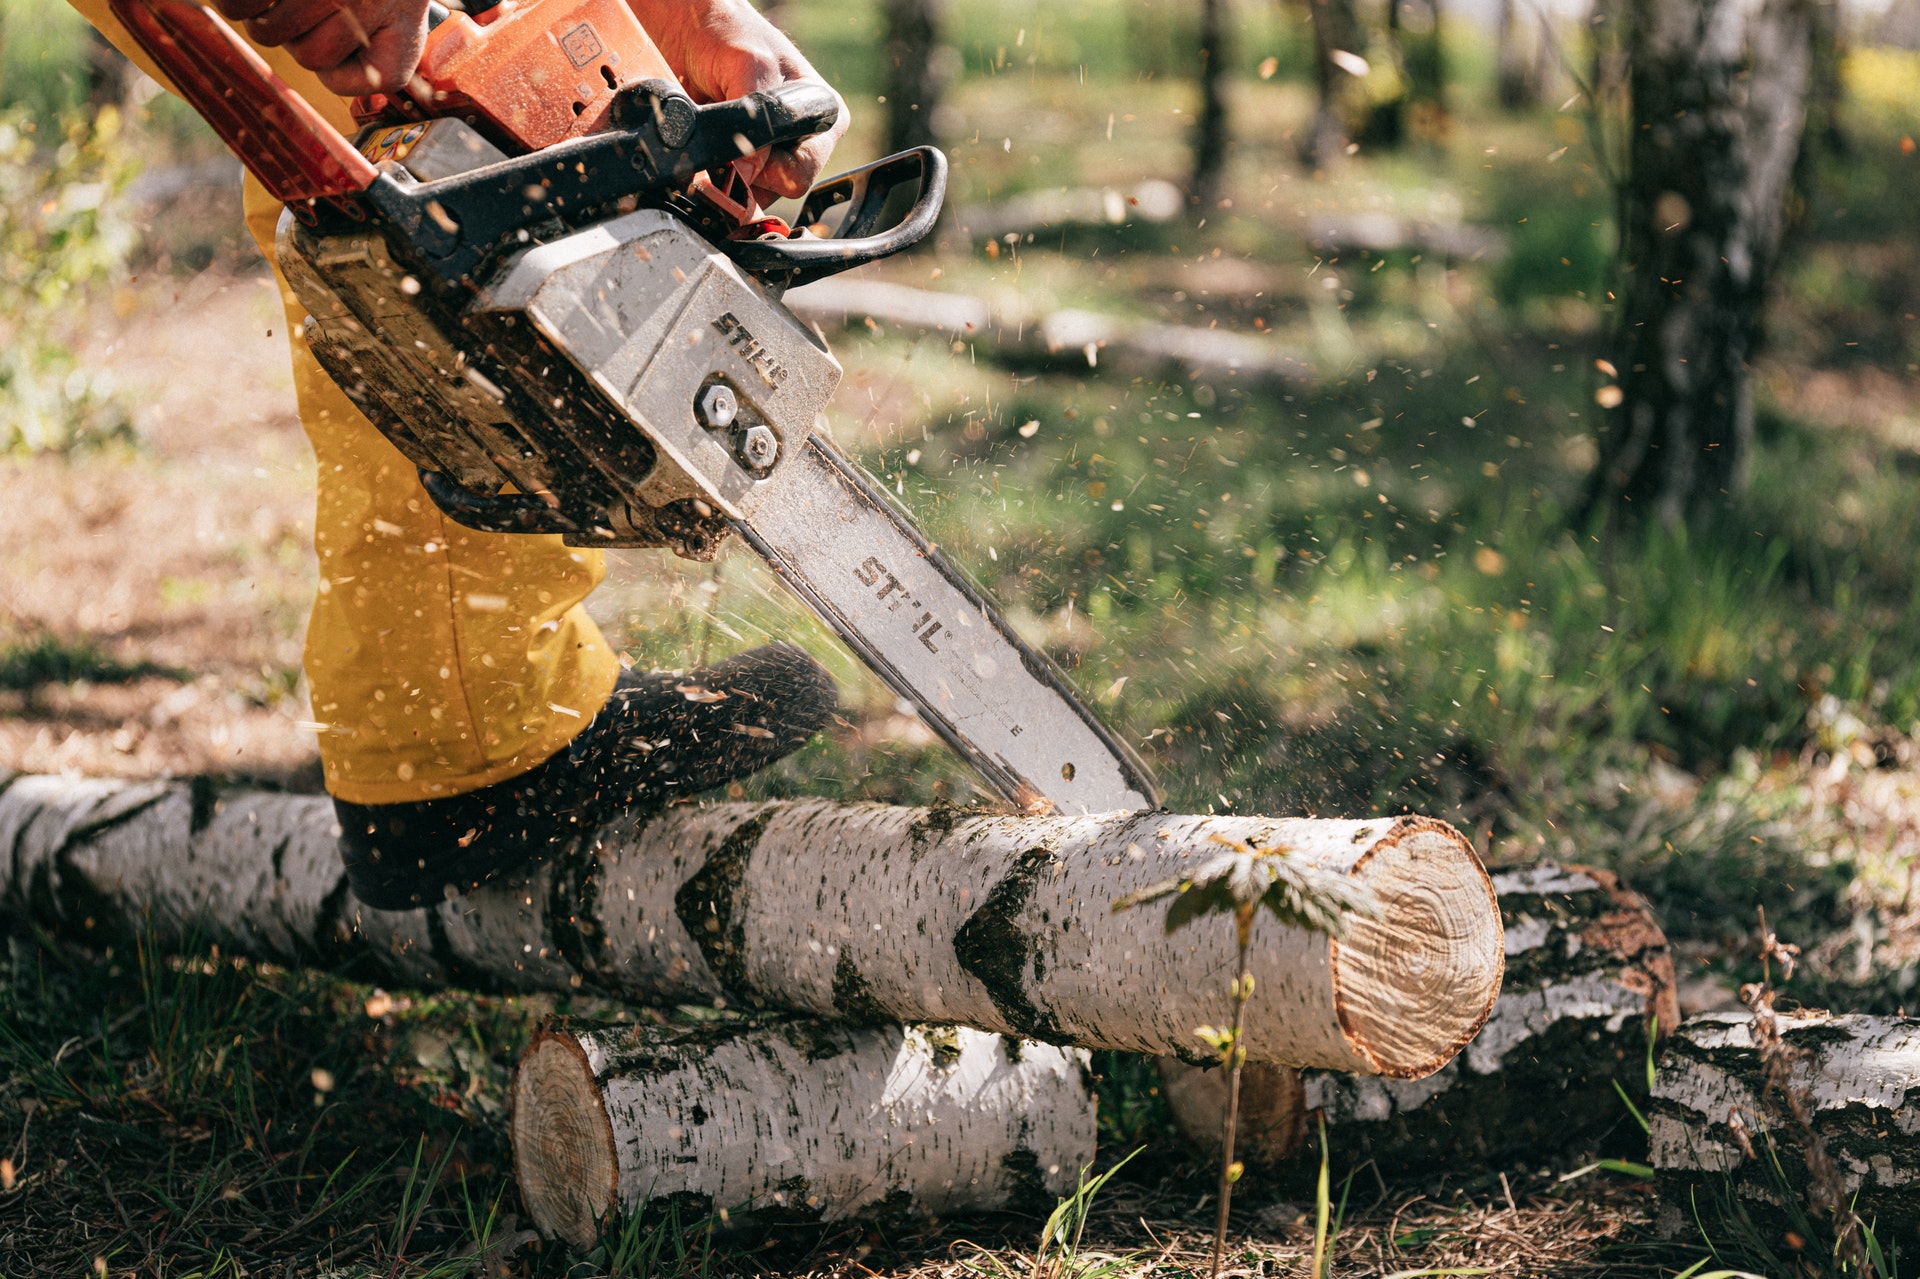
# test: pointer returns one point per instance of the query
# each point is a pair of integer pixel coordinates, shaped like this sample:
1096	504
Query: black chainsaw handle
804	258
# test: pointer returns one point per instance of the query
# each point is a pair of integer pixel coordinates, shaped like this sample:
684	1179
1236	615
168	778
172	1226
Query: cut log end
562	1140
1588	974
1412	987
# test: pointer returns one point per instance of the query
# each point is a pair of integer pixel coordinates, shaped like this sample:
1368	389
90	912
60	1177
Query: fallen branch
1588	971
1069	340
798	1120
862	912
1861	1078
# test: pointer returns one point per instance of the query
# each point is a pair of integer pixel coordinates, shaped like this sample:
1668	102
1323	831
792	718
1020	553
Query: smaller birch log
1861	1077
862	912
1588	973
798	1120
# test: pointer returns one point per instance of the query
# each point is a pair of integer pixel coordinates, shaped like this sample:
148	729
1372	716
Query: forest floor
1356	591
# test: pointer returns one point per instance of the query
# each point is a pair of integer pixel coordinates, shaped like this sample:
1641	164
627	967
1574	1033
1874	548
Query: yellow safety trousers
440	659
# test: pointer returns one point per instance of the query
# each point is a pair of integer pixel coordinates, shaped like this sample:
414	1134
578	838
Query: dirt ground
190	551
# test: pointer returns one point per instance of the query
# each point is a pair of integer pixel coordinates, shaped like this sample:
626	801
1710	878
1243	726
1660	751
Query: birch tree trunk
862	912
1719	90
1861	1076
801	1120
1588	974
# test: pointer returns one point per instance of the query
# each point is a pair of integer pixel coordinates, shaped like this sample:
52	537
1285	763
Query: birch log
1588	974
1861	1075
801	1120
861	912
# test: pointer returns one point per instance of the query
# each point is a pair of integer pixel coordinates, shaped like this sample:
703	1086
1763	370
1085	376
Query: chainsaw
540	272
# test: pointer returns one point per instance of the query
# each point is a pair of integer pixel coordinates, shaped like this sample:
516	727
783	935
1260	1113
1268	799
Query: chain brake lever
866	191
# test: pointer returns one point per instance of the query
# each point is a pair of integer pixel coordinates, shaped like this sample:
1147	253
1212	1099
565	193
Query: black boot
660	736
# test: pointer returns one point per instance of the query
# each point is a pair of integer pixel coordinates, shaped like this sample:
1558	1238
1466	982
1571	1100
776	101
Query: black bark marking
708	908
458	971
853	999
816	1040
100	917
61	890
205	794
573	911
326	942
280	857
1026	1187
993	948
934	824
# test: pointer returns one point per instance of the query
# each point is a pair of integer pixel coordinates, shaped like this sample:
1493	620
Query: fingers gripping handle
276	133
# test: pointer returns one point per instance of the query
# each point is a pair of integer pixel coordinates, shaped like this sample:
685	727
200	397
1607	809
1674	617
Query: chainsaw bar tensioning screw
758	447
716	406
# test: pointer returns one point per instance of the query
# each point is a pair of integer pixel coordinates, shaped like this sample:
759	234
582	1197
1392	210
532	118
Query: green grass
36	661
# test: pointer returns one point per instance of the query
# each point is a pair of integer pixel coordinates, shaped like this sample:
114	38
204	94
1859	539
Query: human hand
356	46
724	49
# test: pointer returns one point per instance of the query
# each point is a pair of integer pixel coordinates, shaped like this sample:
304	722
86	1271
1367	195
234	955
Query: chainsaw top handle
452	227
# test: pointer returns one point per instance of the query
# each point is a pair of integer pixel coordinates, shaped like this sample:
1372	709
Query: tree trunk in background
864	912
1335	30
1418	110
1519	67
1719	92
797	1119
1828	86
1588	973
914	71
1211	129
1423	57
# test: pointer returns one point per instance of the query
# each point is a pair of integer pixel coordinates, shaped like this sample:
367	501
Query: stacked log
1589	975
1714	1116
863	913
798	1120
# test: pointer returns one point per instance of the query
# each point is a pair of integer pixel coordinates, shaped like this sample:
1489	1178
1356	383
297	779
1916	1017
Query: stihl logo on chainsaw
870	572
750	350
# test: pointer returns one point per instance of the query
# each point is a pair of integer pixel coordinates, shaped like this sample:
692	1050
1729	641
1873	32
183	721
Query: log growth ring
563	1151
1398	981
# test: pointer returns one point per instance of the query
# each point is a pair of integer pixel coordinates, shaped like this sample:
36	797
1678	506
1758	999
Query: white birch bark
861	912
1588	972
802	1119
1861	1078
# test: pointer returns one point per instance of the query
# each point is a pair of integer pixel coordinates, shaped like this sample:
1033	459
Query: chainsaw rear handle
866	190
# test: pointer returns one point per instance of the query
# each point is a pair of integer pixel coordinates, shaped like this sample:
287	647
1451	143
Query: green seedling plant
1238	883
1059	1254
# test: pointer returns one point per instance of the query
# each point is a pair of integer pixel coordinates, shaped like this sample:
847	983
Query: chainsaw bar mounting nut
716	406
759	446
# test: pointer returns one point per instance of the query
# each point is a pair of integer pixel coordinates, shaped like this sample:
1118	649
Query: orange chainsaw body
529	73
